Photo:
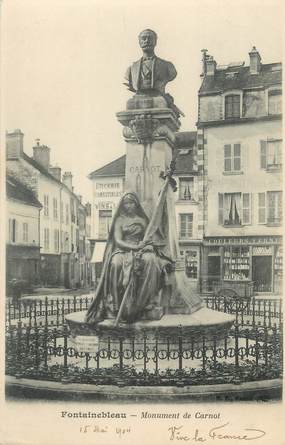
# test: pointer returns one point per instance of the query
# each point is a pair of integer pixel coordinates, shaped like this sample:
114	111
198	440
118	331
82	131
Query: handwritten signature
177	433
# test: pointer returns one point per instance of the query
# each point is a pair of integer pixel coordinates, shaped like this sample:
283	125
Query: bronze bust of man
150	74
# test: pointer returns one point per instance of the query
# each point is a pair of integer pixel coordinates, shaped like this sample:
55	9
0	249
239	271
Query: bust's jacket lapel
136	67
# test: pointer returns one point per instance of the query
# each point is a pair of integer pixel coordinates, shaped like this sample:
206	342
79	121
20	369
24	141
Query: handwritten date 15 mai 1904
216	433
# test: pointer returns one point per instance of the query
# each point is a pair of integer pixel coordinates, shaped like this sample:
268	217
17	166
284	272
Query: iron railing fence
52	312
47	311
244	354
265	312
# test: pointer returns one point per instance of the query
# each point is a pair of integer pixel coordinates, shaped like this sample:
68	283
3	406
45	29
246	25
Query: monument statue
150	74
143	275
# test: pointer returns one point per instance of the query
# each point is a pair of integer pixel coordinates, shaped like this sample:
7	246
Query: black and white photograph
142	239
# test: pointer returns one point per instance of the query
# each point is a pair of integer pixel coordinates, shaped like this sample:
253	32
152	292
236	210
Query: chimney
254	61
14	144
210	65
67	180
55	172
41	154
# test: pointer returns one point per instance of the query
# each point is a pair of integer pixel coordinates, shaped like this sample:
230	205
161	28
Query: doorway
66	275
262	273
214	271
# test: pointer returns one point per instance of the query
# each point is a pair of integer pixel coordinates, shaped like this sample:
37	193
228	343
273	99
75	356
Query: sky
65	60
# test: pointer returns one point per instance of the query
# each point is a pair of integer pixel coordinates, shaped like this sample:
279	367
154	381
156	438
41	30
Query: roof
46	173
239	77
184	161
114	168
18	191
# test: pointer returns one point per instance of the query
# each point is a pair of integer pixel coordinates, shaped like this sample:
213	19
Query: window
55	212
186	225
270	208
232	158
25	233
12	230
61	211
271	154
275	102
46	239
234	209
66	213
186	189
274	207
46	205
232	106
56	240
105	217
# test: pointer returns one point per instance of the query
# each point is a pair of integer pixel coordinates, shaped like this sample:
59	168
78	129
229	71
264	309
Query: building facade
108	185
22	233
240	148
59	219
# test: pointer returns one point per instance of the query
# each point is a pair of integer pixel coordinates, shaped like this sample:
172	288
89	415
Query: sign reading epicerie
108	190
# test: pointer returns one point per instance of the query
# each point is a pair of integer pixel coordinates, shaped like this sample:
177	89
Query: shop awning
98	252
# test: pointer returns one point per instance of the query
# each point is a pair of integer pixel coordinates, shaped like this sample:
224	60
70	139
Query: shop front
245	264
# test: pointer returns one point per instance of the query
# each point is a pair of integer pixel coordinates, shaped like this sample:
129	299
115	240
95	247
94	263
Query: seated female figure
133	268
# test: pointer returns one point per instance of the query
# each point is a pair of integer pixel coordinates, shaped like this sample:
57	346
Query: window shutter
263	156
221	209
227	158
246	208
261	208
237	157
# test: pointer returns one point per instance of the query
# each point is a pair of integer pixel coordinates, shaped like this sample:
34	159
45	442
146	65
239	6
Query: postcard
142	203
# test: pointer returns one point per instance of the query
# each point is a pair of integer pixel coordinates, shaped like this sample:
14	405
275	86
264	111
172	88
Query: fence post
46	310
264	312
121	353
57	312
265	347
65	349
19	346
180	349
256	349
62	310
215	352
156	354
236	348
253	312
144	353
269	309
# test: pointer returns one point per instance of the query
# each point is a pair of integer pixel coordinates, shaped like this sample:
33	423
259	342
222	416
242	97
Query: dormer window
275	102
232	106
186	189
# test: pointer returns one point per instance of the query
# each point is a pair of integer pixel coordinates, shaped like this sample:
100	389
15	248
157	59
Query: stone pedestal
149	134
